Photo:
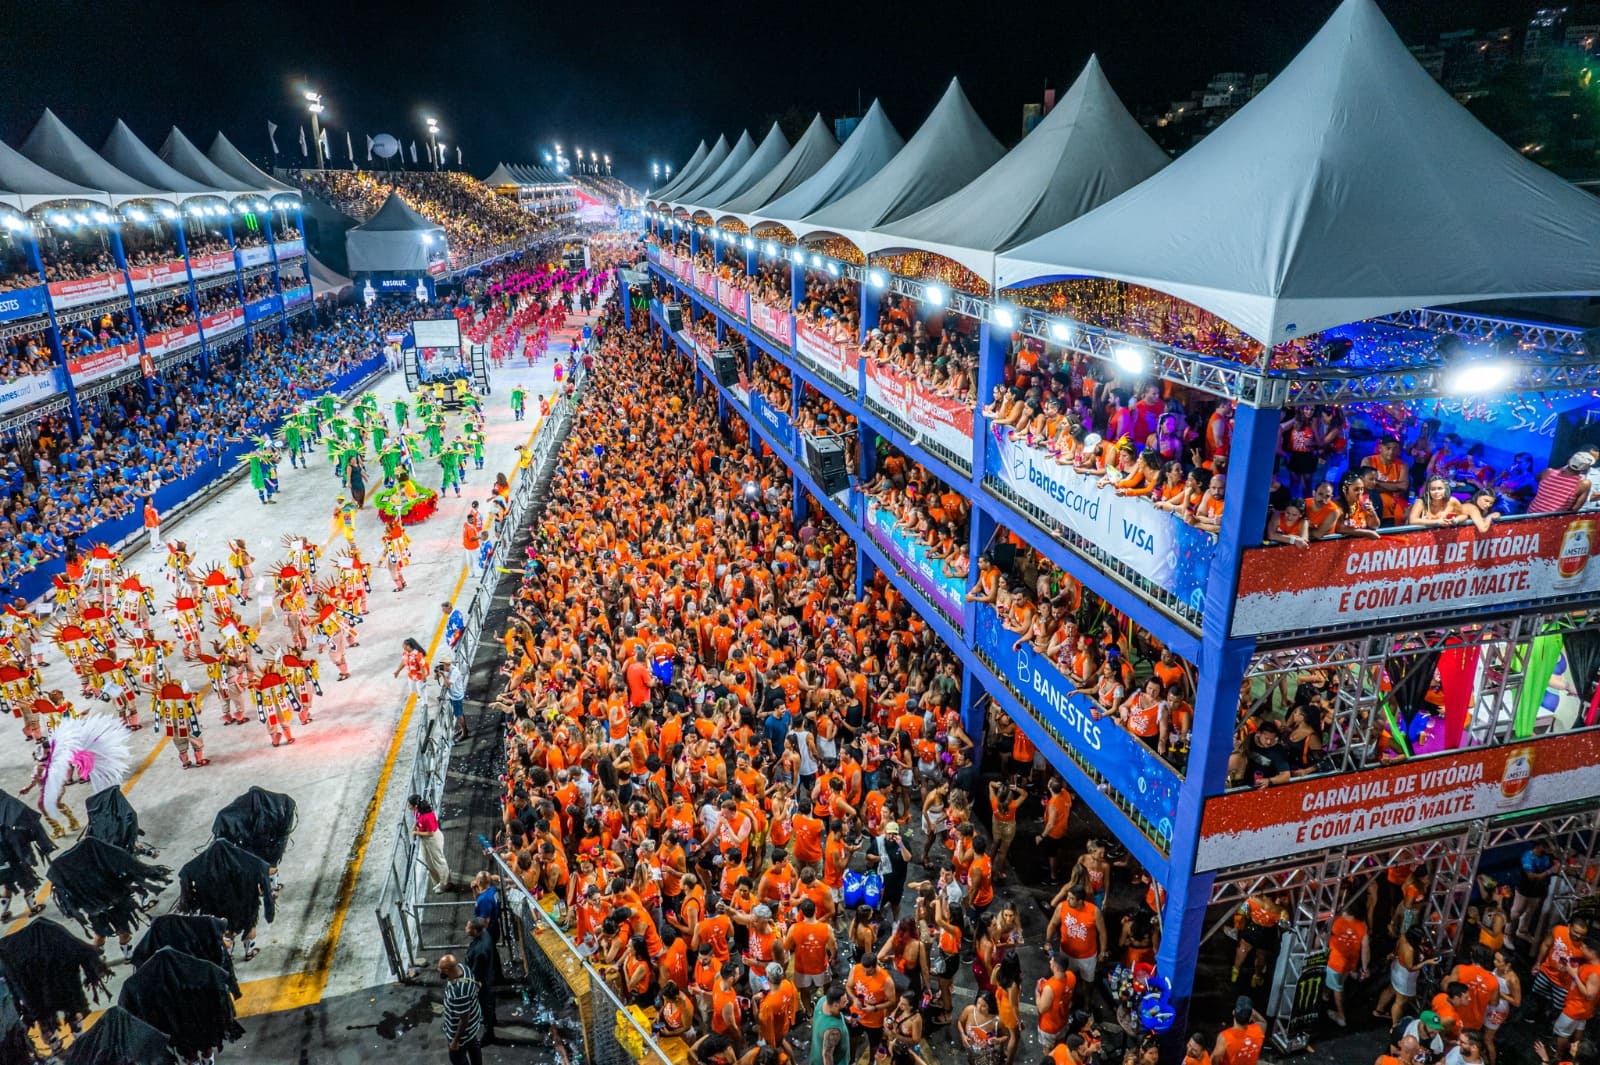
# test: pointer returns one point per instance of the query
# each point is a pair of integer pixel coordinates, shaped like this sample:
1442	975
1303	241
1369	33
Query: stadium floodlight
749	243
798	256
934	295
1130	359
1478	377
167	212
1003	316
816	260
80	218
137	215
833	268
14	224
771	248
103	217
1061	332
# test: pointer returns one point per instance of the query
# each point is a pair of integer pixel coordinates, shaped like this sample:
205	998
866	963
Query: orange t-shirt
872	992
471	537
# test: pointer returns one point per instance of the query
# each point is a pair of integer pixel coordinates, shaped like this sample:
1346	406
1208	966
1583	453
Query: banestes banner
1267	824
736	301
1337	582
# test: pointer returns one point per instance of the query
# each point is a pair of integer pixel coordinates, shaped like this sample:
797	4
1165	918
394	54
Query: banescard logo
1025	667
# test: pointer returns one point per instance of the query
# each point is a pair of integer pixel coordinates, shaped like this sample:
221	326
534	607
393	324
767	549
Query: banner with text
171	341
705	283
87	367
23	391
1262	824
222	321
684	268
22	302
840	358
249	257
1337	582
1156	544
297	295
267	307
288	249
1131	770
774	323
912	555
81	290
211	265
947	421
735	301
776	422
160	275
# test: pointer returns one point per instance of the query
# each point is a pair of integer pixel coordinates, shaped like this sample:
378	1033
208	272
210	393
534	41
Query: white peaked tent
952	147
24	184
740	154
232	161
59	150
130	155
808	155
872	144
774	146
180	153
684	171
1088	150
394	240
1353	186
690	178
506	175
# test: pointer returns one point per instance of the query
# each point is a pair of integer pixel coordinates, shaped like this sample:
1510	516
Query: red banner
222	321
209	265
774	323
1256	825
841	358
158	276
1336	582
86	368
938	417
735	301
705	283
81	290
171	340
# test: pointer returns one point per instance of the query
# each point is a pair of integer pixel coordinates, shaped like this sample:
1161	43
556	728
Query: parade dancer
263	474
236	635
450	462
519	401
105	573
110	681
65	594
23	845
401	410
49	710
276	703
228	882
396	553
19	687
41	769
303	554
293	433
95	883
21	627
259	822
178	711
333	636
230	682
290	598
239	559
475	441
344	519
177	564
49	969
150	653
188	622
218	588
355	581
79	648
134	605
302	674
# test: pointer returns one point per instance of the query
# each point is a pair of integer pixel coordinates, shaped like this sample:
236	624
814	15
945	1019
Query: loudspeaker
1004	555
727	367
825	460
674	313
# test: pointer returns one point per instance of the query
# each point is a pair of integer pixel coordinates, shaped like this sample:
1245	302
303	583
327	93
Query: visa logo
1138	536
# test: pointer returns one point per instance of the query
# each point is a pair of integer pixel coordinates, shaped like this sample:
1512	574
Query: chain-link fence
402	900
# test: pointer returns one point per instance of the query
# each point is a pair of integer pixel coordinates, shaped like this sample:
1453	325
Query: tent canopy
774	146
691	177
231	160
325	280
59	150
1088	150
685	170
743	149
394	240
130	155
1353	186
808	155
25	184
952	147
872	144
506	175
180	153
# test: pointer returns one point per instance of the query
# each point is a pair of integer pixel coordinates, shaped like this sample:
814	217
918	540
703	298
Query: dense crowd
25	354
74	258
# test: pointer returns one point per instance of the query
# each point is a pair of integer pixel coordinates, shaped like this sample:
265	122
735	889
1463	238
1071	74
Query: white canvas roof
1353	186
325	280
128	153
59	150
684	171
872	144
25	184
774	146
808	155
1088	150
742	150
690	178
232	161
505	175
180	153
952	147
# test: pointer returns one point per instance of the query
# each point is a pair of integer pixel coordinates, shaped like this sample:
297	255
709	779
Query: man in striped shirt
463	1018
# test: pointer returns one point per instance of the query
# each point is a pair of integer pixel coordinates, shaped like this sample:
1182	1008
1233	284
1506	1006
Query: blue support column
305	248
238	278
991	370
277	276
194	293
869	311
801	504
982	530
973	719
797	288
752	258
694	242
627	303
133	308
55	336
1219	673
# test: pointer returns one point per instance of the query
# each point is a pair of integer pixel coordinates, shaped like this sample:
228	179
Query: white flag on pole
272	135
369	147
458	155
413	151
303	141
327	152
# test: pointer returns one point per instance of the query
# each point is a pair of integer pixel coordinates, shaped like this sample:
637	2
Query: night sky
507	79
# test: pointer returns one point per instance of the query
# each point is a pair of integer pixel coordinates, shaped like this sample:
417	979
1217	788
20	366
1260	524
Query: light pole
433	140
608	166
314	105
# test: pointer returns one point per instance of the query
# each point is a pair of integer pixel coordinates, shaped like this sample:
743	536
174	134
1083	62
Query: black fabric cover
184	996
94	883
46	968
1412	677
16	1046
113	819
260	821
228	882
23	844
1583	659
198	935
120	1038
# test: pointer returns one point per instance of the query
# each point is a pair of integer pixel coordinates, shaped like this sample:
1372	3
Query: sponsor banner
946	420
840	358
22	391
1134	772
741	392
684	268
1152	542
161	275
702	353
288	249
705	283
88	367
1260	824
22	302
777	324
249	257
211	265
438	266
184	336
268	307
1337	582
777	423
912	555
155	344
222	321
736	302
77	292
298	294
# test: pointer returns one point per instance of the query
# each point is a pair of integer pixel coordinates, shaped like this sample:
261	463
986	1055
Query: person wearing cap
763	945
1426	1031
1240	1043
1564	489
1582	996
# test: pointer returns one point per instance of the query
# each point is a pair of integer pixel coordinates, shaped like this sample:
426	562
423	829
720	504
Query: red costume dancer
355	581
134	605
80	648
96	621
230	680
239	561
217	587
151	656
110	680
290	597
22	629
50	709
104	571
178	711
177	565
276	703
236	635
302	673
19	687
333	636
396	553
303	554
187	622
